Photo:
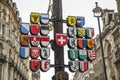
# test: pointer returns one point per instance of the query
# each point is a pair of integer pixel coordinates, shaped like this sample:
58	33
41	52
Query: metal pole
58	28
103	58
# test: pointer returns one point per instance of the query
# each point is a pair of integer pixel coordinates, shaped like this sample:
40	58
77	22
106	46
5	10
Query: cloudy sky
70	7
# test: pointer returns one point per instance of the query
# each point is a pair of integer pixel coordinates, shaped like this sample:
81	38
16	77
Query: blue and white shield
44	18
80	21
25	28
24	52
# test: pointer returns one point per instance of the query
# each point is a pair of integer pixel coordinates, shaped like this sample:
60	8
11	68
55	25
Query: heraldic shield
44	18
72	43
44	30
74	66
83	66
80	21
35	29
35	41
35	52
73	54
71	21
24	28
72	31
61	39
45	53
34	65
45	65
82	54
35	18
91	55
24	52
24	40
45	40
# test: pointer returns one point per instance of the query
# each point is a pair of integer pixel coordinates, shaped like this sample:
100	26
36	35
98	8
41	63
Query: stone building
109	19
12	67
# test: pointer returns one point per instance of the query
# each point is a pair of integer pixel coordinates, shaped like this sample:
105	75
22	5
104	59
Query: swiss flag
61	39
35	29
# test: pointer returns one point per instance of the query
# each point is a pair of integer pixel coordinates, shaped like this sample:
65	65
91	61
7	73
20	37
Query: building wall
12	67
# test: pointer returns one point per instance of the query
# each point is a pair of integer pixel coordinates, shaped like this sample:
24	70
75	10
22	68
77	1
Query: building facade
12	67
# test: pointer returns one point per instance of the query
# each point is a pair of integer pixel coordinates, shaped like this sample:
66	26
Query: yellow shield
35	18
71	21
90	43
81	32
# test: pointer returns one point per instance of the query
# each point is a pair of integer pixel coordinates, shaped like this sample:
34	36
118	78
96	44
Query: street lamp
98	13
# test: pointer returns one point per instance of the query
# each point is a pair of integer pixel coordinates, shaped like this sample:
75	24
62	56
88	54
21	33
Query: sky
70	8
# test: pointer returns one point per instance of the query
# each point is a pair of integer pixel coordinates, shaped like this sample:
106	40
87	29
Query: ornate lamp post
98	13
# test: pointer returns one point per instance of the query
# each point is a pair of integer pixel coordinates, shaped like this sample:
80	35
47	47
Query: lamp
98	13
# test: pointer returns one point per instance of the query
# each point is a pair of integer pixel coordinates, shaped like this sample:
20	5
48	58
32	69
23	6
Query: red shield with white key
61	39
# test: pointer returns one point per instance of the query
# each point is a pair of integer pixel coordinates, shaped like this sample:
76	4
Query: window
1	48
0	28
109	18
0	71
9	34
3	29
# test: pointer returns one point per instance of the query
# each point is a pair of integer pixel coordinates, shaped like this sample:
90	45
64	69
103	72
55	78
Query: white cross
35	51
61	40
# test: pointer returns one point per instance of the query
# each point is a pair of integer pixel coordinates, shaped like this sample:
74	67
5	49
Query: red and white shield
34	65
45	41
35	29
45	65
35	52
61	39
35	41
83	66
91	54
